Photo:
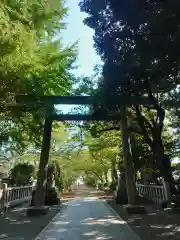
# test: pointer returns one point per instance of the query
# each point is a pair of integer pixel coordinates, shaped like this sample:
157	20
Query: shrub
113	185
22	174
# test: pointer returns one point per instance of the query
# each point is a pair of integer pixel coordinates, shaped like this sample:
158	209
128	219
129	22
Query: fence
12	196
157	194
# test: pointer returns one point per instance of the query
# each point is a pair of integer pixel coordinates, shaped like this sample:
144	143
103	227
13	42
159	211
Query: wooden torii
30	101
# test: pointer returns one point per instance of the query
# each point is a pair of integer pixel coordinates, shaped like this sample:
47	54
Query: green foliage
31	62
22	174
58	177
59	182
113	185
90	181
176	166
137	50
127	37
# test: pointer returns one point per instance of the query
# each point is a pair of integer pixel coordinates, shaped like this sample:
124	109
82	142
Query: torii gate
49	101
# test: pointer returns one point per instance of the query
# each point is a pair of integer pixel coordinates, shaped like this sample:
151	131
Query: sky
76	31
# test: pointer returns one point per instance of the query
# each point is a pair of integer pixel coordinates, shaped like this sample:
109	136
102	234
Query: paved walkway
89	219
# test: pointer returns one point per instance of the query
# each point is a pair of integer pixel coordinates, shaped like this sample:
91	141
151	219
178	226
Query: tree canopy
33	61
137	42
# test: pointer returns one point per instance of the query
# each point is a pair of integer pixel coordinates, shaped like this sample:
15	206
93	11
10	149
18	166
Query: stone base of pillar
37	211
51	197
121	197
134	209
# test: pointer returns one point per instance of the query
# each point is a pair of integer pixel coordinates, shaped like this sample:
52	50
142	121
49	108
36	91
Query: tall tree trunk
128	162
41	182
155	142
163	163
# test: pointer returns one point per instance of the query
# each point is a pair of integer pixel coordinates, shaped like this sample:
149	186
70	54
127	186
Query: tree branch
132	129
160	119
108	129
91	171
140	120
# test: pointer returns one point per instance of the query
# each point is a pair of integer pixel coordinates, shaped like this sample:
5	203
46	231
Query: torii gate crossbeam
79	100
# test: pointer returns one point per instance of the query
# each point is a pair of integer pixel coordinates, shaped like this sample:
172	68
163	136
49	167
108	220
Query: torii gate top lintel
72	100
80	100
31	100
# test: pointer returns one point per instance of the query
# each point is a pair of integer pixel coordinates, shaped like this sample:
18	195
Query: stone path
85	216
88	218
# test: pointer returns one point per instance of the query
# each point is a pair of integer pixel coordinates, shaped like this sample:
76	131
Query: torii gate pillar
40	193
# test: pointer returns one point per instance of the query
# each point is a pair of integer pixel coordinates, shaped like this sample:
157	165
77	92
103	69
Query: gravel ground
15	225
156	224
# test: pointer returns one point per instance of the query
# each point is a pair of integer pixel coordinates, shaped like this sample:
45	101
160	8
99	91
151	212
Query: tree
32	62
101	151
77	155
21	174
126	37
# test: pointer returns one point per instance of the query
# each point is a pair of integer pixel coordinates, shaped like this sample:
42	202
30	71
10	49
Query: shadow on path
89	219
156	224
15	225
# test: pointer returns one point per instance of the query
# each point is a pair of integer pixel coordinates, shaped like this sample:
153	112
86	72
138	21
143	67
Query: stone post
3	191
167	190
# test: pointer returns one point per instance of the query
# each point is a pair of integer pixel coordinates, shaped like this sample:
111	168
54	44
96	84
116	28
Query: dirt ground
15	225
156	224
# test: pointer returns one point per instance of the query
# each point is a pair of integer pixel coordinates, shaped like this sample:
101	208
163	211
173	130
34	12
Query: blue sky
76	31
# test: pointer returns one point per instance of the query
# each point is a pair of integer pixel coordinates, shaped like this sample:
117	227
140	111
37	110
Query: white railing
12	196
157	194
